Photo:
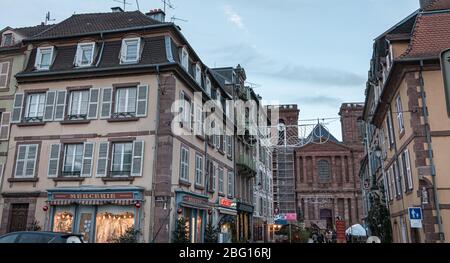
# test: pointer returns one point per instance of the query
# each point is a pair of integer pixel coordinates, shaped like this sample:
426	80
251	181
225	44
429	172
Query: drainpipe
430	152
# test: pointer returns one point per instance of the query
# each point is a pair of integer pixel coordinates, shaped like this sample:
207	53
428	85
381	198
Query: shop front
193	207
100	215
227	213
245	221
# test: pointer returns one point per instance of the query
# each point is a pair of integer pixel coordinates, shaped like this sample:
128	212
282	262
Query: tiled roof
438	5
320	134
32	30
430	37
97	22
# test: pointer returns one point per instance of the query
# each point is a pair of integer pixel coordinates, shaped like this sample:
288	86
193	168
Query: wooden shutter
17	108
50	99
102	160
94	95
138	158
53	160
30	165
4	72
142	101
20	160
4	126
88	156
106	103
60	108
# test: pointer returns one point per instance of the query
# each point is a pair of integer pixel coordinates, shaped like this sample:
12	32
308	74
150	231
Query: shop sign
291	217
189	199
227	203
88	196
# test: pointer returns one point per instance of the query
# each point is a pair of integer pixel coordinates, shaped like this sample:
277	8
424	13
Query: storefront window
63	220
112	222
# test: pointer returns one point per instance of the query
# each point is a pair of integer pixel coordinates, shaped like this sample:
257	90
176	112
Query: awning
227	211
91	202
199	206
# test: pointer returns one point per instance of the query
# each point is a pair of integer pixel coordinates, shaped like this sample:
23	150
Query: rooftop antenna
173	18
137	4
124	2
47	18
168	4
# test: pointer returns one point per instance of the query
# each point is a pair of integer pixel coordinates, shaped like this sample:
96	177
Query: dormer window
130	50
7	40
185	58
198	73
208	86
85	54
44	58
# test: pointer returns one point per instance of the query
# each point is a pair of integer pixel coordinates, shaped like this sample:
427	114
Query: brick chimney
157	14
425	3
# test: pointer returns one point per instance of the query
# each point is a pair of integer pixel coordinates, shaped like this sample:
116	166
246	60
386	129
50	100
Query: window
208	86
44	58
400	114
221	180
79	104
229	145
26	160
324	170
230	185
126	101
214	178
185	58
85	54
198	169
130	50
390	129
184	164
198	74
4	72
199	120
187	115
35	107
7	40
398	180
407	170
122	155
73	158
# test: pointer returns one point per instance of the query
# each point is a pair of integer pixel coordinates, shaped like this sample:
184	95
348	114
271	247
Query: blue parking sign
415	213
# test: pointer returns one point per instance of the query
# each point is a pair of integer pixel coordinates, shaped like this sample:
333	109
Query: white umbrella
356	230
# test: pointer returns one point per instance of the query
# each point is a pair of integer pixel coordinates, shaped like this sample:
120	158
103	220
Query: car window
9	238
34	238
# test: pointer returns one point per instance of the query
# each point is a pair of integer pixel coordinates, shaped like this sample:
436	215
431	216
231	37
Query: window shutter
138	157
53	160
106	103
408	170
17	108
142	100
20	160
30	167
60	105
4	72
49	105
4	126
94	95
102	160
88	156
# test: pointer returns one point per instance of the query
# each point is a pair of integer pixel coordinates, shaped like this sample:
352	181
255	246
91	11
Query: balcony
246	165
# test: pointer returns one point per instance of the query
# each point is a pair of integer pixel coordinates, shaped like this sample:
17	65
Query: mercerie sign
87	196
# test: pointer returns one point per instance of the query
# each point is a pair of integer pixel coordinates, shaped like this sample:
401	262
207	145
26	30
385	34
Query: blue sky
314	53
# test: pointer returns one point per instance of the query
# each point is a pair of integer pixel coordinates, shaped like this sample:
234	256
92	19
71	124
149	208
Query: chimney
116	9
425	3
157	14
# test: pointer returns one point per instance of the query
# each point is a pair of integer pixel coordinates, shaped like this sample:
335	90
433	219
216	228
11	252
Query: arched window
324	170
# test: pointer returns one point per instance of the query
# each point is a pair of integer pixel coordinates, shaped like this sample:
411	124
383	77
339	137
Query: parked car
40	237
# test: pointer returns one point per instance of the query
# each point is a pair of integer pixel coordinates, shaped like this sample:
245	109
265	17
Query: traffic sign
415	217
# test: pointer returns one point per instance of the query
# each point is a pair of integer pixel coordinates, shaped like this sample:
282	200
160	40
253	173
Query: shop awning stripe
91	202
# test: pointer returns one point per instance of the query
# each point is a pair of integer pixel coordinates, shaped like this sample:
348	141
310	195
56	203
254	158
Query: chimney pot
157	14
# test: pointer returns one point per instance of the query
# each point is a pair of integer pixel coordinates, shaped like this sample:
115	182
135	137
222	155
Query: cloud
234	17
326	100
256	62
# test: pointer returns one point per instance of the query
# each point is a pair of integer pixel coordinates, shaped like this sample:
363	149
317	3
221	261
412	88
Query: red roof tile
431	36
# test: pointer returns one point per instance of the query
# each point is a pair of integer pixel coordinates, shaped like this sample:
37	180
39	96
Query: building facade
406	124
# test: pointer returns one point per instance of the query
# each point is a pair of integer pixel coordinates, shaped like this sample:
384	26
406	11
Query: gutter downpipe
430	152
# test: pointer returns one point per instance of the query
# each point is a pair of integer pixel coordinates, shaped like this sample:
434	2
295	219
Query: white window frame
208	86
73	158
79	54
27	109
124	50
26	160
400	120
4	39
407	164
6	75
122	154
199	121
221	180
185	58
198	169
184	164
198	73
390	129
127	96
78	110
39	53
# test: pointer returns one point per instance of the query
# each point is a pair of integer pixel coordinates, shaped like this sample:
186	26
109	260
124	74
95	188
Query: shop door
85	224
18	219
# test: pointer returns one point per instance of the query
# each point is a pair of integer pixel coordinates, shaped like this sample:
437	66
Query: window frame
320	166
27	103
39	56
7	74
208	85
400	120
111	165
63	172
199	169
407	172
124	50
79	54
26	159
185	58
69	108
390	129
198	73
127	98
4	40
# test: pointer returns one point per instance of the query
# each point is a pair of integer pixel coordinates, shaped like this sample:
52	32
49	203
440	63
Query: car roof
44	232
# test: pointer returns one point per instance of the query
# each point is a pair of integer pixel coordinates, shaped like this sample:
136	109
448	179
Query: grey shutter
4	126
88	156
60	105
106	103
94	95
138	157
53	160
50	99
102	160
17	108
20	161
30	165
142	100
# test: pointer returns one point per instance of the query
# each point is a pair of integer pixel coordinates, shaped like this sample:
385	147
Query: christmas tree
180	234
378	220
211	234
